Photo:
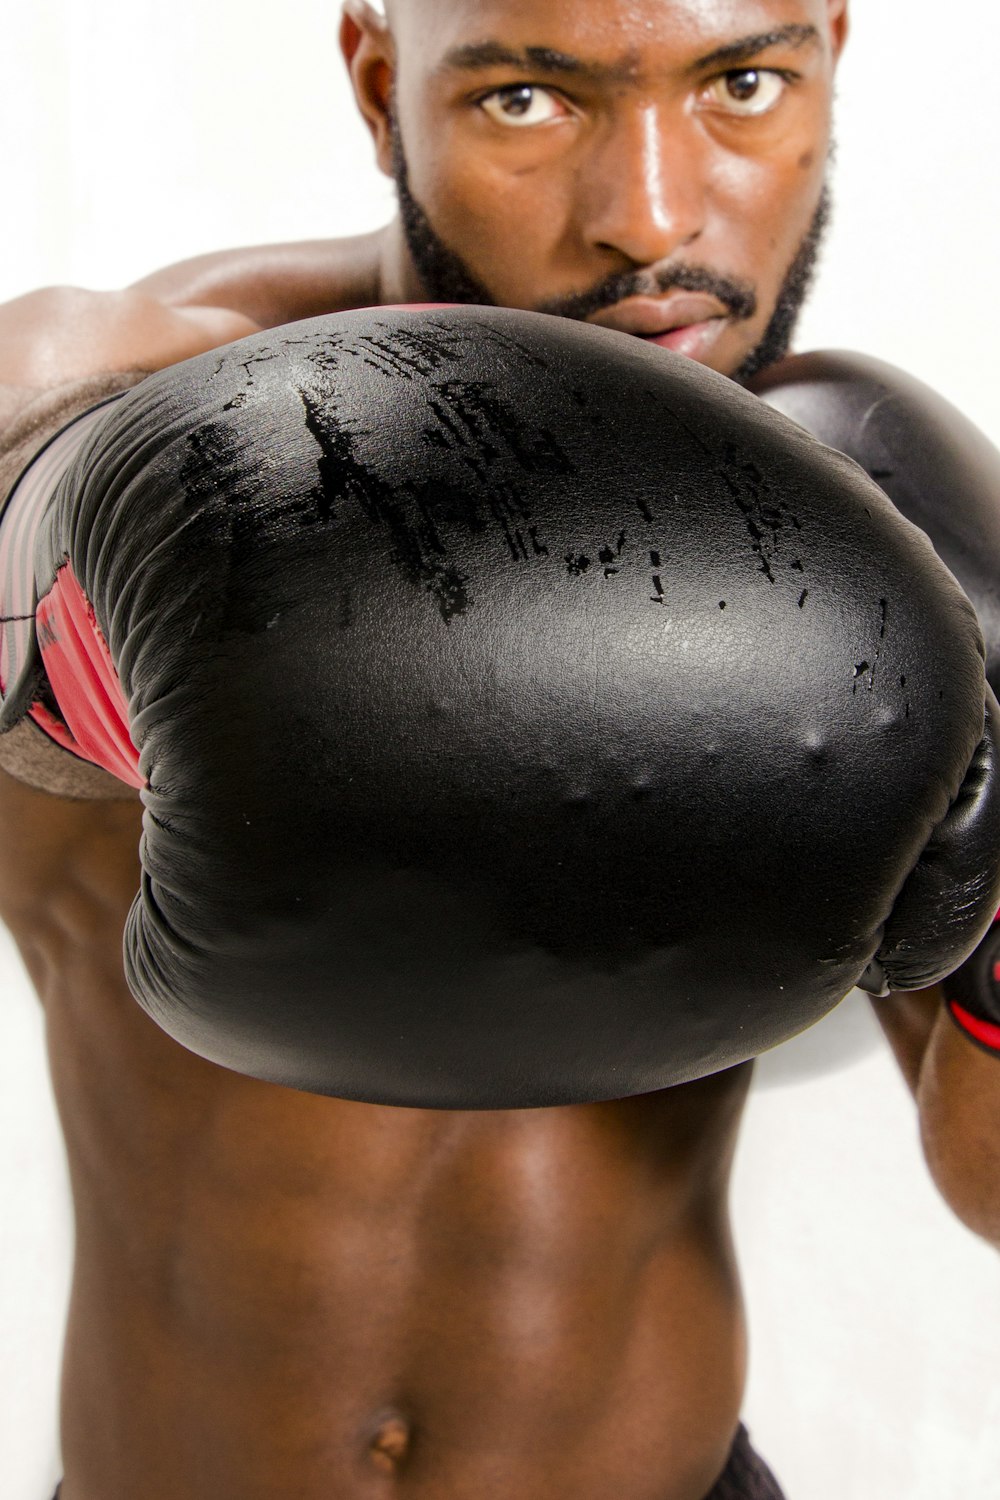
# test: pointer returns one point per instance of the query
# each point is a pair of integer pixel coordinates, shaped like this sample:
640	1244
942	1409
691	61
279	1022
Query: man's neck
398	281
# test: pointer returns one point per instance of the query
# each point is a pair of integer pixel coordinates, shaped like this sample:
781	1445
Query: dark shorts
745	1477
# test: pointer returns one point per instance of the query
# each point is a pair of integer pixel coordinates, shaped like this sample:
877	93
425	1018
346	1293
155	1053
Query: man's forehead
599	27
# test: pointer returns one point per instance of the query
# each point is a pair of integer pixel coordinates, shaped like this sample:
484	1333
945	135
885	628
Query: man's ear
369	51
839	24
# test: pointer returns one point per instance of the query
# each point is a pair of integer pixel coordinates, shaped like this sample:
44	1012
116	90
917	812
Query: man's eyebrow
531	59
748	47
491	54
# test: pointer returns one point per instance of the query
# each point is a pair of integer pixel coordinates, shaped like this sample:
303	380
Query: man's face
655	166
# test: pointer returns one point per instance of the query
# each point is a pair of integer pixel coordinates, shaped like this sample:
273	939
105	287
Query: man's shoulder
62	333
277	283
59	334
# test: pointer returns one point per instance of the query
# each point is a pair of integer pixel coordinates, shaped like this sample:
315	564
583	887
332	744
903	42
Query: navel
390	1442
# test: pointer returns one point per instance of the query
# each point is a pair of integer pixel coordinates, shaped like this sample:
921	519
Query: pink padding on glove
983	1031
83	678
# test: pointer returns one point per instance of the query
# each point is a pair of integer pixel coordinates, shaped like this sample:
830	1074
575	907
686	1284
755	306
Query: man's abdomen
282	1295
467	1306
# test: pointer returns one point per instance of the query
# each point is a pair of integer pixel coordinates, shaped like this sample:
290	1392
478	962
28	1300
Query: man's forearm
956	1086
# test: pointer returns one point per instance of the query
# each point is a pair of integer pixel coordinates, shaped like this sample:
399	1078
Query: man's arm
956	1086
62	350
55	341
58	334
275	284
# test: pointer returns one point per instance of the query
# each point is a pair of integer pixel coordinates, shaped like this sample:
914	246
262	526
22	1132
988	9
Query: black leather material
942	907
943	474
937	468
530	716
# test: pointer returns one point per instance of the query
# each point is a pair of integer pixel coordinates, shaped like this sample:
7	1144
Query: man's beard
446	277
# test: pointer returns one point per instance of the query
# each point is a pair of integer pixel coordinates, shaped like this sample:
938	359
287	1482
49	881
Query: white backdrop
135	133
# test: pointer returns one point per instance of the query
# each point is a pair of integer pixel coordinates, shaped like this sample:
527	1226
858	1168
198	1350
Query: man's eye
747	91
521	104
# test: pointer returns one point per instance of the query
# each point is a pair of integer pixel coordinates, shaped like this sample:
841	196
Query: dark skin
642	140
309	1295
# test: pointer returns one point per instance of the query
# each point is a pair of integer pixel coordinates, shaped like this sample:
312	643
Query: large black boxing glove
944	475
526	716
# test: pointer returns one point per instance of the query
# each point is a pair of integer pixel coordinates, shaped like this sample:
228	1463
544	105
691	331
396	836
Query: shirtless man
280	1294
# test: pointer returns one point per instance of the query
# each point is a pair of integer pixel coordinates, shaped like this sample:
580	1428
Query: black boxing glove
525	715
943	474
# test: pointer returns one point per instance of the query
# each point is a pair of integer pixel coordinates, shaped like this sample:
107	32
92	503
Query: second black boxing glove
943	474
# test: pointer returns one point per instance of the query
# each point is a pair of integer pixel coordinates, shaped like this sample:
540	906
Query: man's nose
646	188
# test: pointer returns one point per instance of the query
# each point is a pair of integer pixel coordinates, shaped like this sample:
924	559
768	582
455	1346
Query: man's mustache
739	297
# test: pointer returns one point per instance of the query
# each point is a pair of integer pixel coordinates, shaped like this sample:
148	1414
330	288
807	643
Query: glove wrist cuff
986	1033
21	515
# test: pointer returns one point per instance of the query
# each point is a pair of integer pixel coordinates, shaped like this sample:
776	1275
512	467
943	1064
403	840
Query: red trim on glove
986	1032
83	677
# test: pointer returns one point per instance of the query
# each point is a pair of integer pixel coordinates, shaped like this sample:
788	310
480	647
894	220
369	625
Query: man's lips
652	317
